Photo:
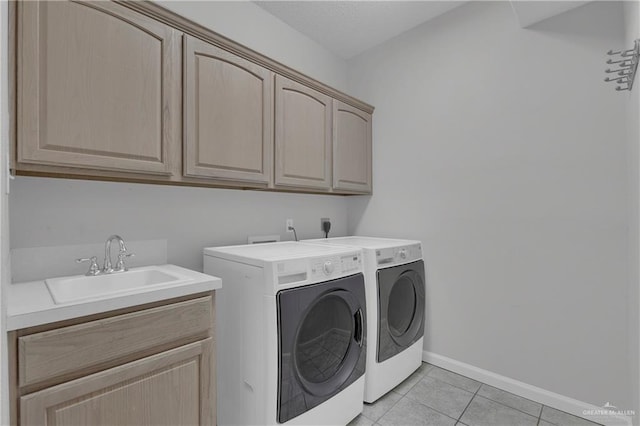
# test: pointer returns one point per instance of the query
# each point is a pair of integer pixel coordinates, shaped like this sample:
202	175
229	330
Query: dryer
290	329
395	288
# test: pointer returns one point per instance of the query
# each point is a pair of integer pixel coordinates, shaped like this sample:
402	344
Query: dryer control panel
395	255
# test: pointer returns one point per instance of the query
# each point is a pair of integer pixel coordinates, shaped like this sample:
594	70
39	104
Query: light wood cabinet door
302	136
228	115
171	388
351	148
98	87
65	351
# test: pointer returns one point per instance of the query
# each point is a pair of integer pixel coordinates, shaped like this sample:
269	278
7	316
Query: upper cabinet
130	91
97	87
351	148
303	136
228	114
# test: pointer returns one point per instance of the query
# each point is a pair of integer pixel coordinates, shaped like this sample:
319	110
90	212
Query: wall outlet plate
289	225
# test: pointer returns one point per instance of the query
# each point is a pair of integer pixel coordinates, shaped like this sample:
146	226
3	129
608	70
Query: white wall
632	32
503	150
252	26
51	212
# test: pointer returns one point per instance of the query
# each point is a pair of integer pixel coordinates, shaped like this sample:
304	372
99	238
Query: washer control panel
395	255
316	269
335	266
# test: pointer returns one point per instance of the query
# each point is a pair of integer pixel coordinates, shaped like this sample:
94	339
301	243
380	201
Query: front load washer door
321	330
401	300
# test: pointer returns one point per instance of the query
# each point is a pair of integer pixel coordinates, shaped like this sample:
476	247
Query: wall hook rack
624	67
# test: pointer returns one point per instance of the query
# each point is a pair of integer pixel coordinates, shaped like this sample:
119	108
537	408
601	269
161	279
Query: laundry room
320	212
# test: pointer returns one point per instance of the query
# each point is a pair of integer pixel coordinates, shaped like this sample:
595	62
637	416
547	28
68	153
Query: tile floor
433	396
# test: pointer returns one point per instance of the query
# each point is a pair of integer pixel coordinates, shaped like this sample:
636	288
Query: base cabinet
170	388
142	366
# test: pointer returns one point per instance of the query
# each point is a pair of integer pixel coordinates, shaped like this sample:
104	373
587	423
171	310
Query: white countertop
30	303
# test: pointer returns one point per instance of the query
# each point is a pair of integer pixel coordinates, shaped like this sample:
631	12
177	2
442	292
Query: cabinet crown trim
187	26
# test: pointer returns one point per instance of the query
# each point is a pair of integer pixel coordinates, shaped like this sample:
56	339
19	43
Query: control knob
402	253
328	267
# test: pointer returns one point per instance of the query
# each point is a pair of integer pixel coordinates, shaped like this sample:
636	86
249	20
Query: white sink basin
81	287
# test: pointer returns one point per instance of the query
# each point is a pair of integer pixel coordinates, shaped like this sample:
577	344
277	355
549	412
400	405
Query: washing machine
290	333
395	289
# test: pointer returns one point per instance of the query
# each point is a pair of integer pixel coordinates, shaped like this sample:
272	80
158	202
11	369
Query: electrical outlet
322	221
289	225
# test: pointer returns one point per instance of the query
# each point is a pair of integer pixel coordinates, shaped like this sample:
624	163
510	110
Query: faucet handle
94	269
120	267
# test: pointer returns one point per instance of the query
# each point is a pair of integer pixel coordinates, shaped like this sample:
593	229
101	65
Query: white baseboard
545	397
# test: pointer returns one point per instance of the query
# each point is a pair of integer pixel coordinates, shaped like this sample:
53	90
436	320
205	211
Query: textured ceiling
348	28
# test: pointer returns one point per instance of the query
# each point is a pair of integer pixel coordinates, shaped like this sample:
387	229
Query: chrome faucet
122	254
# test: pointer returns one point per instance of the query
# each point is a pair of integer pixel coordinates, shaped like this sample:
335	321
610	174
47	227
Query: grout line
371	420
455	386
513	408
509	407
422	376
430	408
422	403
470	401
446	383
540	415
388	409
569	414
540	419
401	395
490	399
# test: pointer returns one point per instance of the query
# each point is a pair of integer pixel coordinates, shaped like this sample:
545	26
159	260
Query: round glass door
401	301
322	348
405	308
325	351
402	306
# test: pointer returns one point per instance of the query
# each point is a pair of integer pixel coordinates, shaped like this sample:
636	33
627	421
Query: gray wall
503	150
250	25
632	32
55	212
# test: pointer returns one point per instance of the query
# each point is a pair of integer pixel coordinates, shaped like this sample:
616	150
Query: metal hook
626	64
617	79
609	61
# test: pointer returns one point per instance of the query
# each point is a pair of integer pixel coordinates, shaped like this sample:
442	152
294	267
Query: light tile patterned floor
433	396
